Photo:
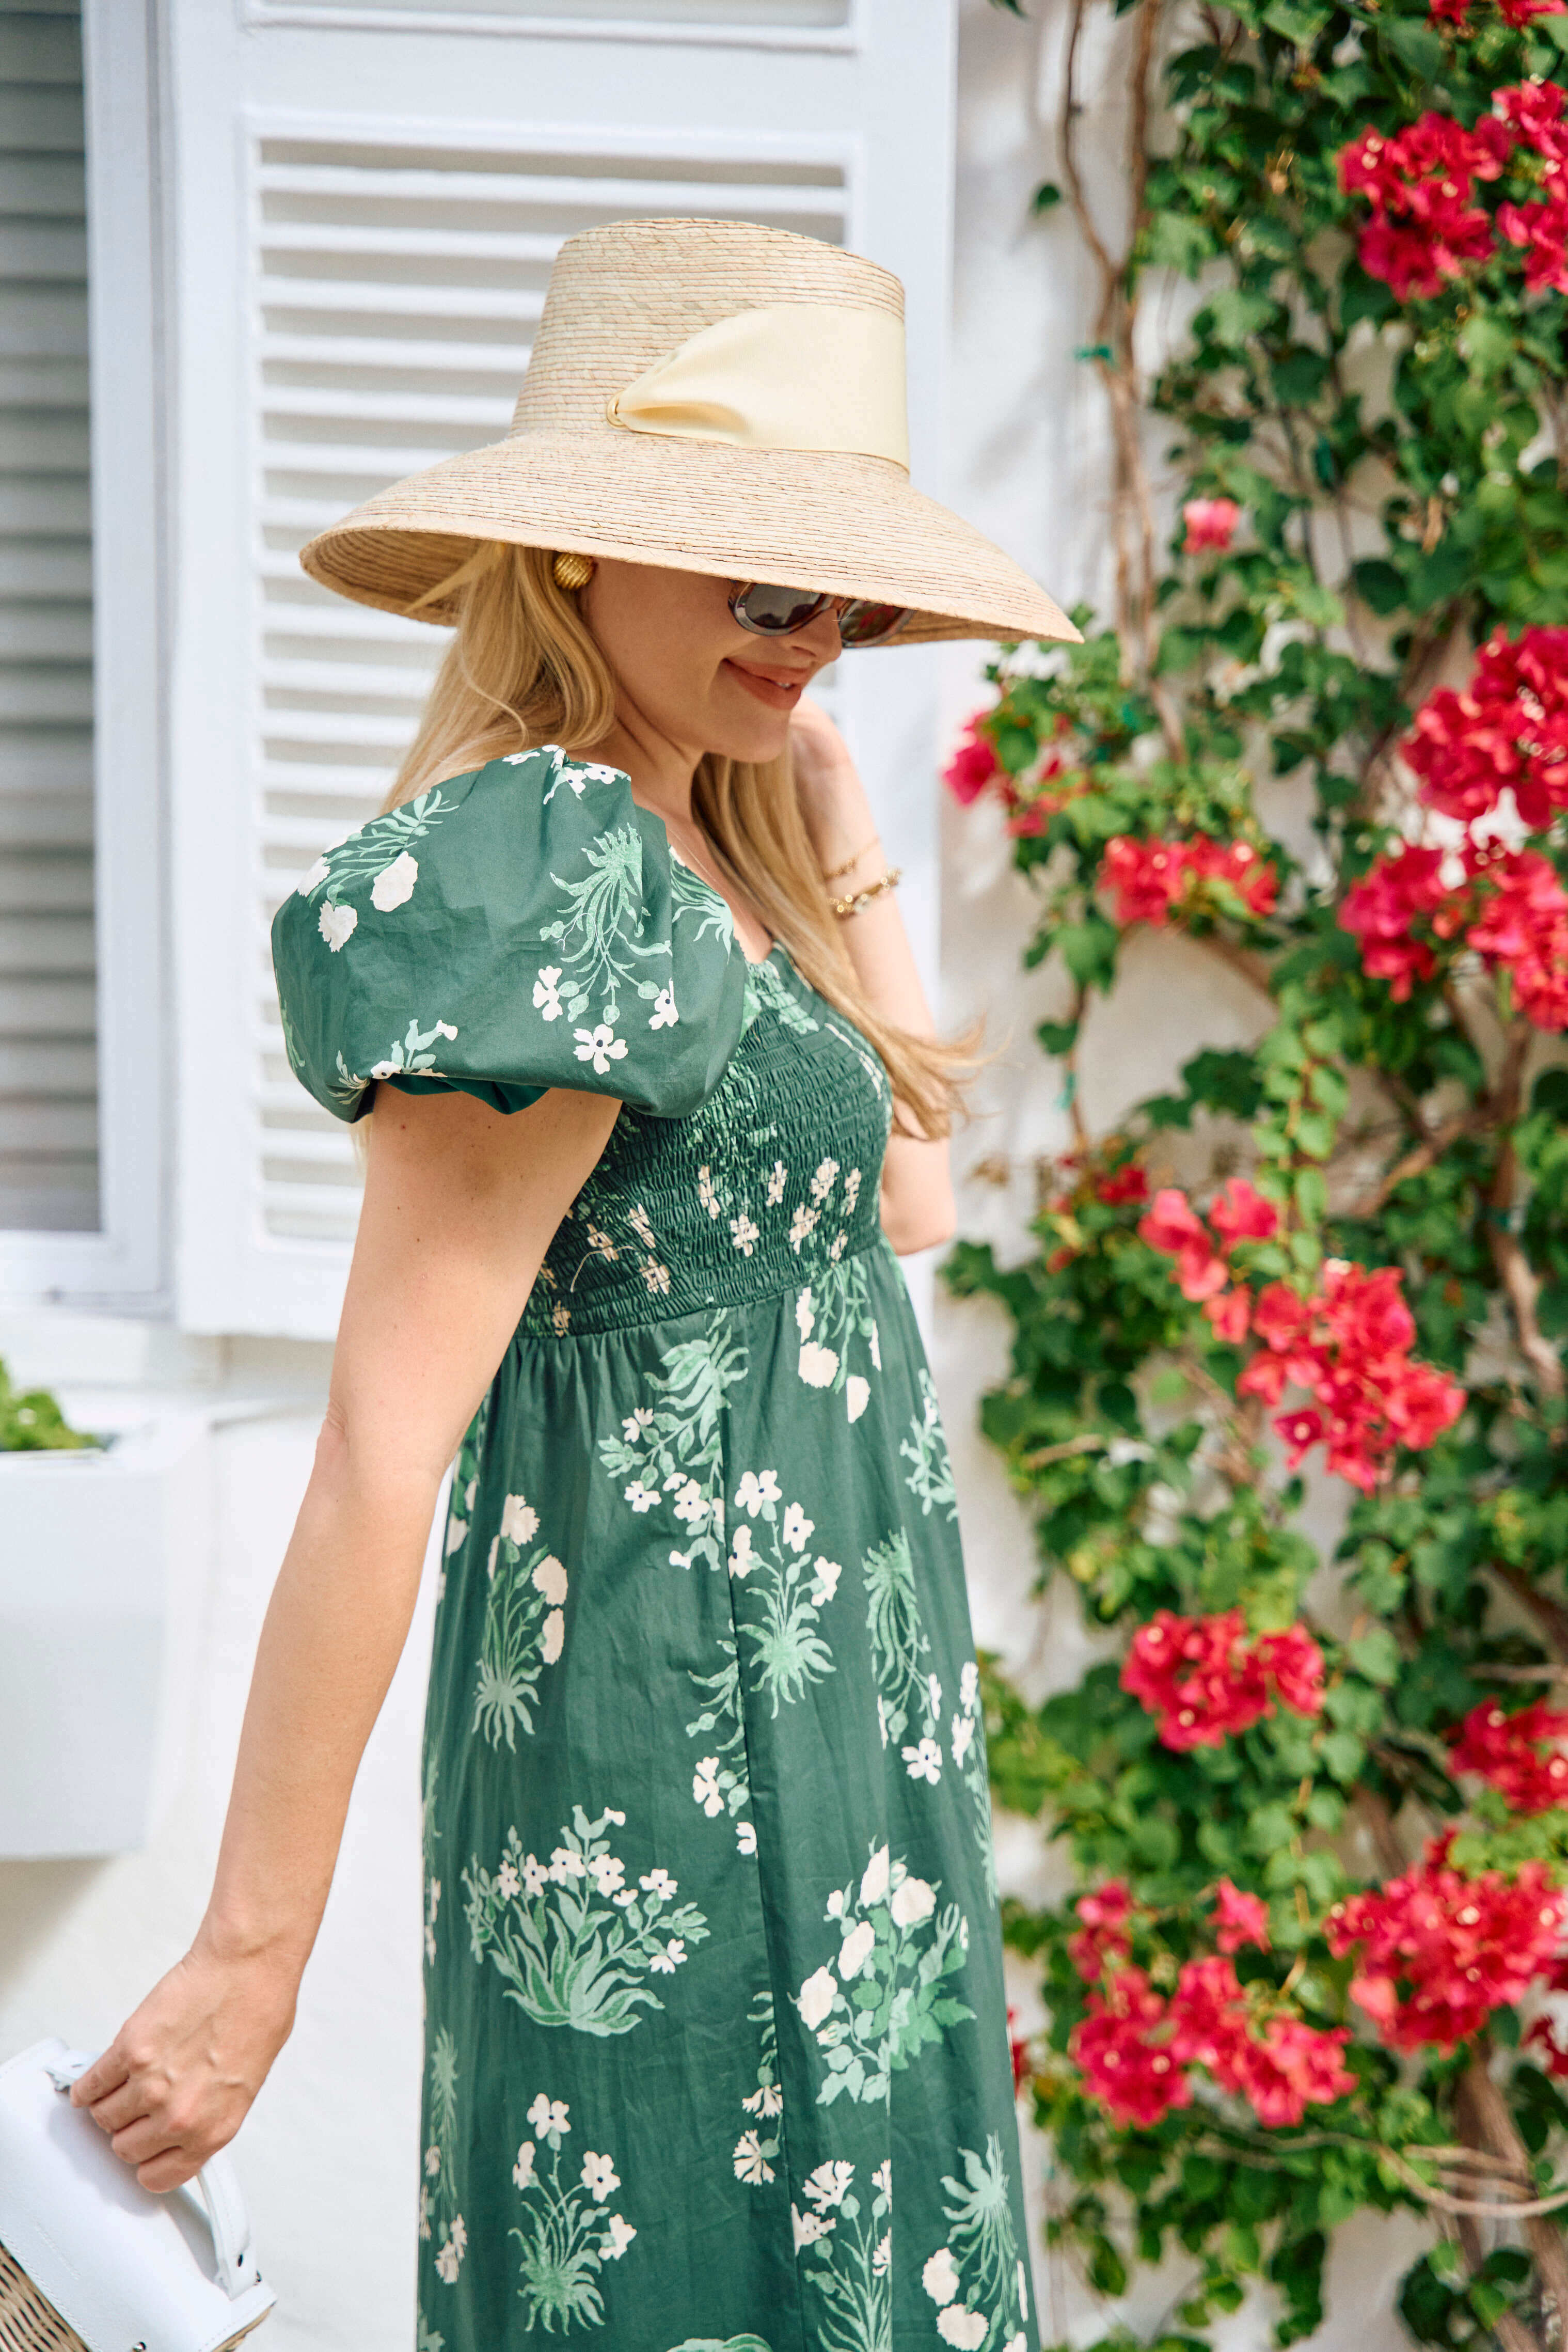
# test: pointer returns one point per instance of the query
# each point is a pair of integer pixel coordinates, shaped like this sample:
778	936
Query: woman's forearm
332	1636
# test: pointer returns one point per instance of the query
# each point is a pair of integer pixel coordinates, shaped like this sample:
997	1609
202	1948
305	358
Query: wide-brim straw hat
711	396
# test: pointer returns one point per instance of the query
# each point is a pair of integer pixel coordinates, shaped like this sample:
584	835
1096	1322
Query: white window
82	1046
364	200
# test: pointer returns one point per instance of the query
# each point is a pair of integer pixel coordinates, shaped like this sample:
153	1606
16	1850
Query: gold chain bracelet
840	871
844	908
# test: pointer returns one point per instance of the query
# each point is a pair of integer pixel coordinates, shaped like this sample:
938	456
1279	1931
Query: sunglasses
770	612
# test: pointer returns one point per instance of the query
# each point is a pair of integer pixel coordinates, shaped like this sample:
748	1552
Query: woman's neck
660	771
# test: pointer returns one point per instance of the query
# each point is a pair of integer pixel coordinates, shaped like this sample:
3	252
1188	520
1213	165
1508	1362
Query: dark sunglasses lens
774	611
869	624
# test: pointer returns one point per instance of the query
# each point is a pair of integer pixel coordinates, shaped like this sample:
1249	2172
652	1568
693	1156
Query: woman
715	2021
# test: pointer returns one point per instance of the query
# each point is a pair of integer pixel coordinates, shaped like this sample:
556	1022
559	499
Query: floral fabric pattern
715	2044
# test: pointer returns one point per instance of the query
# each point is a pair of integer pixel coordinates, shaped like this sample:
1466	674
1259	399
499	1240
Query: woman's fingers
122	2106
105	2074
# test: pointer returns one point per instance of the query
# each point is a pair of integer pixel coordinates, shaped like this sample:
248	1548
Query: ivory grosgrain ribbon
797	375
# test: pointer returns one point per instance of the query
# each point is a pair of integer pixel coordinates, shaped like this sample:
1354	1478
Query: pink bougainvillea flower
1542	2038
1441	1950
1506	1750
1230	1313
1239	1918
1210	522
1102	1941
1426	226
1204	1678
1241	1213
1137	2079
973	765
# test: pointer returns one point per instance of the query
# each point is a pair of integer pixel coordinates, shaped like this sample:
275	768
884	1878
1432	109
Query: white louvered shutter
367	306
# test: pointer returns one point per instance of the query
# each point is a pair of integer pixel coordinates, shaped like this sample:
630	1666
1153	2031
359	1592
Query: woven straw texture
29	2322
621	298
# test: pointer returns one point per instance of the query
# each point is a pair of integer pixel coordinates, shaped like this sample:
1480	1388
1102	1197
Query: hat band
799	375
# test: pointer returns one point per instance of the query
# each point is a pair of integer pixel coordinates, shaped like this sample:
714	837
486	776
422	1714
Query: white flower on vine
393	885
964	2329
744	1234
963	1737
600	2177
523	2170
857	1394
923	1761
663	1016
802	1224
797	1526
809	2227
641	1497
336	925
828	2184
306	883
856	1949
828	1572
548	2117
519	1520
819	1365
757	1488
816	1998
750	2164
822	1181
705	1787
550	1578
875	1879
939	2278
776	1183
599	1046
619	2236
547	993
913	1899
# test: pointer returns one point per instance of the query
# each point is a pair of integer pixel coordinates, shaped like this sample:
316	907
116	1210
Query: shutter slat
48	998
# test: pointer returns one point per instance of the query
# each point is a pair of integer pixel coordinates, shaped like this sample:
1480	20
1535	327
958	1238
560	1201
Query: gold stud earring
572	571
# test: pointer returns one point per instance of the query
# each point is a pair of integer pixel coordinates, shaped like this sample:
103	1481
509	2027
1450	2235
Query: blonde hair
523	669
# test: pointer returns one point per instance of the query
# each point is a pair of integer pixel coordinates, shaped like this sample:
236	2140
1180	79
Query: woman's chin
757	740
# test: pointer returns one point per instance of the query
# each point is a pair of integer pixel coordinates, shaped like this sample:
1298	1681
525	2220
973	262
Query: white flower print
750	2164
393	885
609	1873
803	1224
432	2162
523	2170
641	1497
744	1234
1023	2290
934	1691
550	1578
705	1193
449	2261
767	2101
746	1836
756	1488
923	1761
663	1016
705	1787
939	2278
882	2178
621	2234
741	1558
559	1316
819	1365
565	2239
336	925
666	1962
857	1394
691	1505
536	1878
658	1882
816	1997
963	1737
313	880
519	1520
836	1903
547	993
508	1881
874	1880
776	1183
632	1427
913	1899
808	2227
823	1180
424	2211
600	2177
637	1219
852	1190
837	1250
567	1866
856	1949
656	1276
881	2256
599	1046
432	1906
805	1318
966	2330
875	1344
600	1243
827	2185
796	1527
827	1574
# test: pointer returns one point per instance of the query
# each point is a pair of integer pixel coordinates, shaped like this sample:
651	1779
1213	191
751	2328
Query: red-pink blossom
1441	1950
1505	1750
1205	1678
1239	1918
1241	1213
1149	879
1135	2049
973	765
1103	1940
1210	522
1136	2078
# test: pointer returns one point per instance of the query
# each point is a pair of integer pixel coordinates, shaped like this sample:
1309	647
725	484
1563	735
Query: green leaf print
848	2257
525	1627
380	849
429	2339
831	1315
571	1941
720	1783
930	1479
884	1996
969	1752
691	897
758	2145
907	1693
429	1833
671	1447
977	2280
784	1590
767	987
597	937
565	2235
414	1053
438	2196
722	2344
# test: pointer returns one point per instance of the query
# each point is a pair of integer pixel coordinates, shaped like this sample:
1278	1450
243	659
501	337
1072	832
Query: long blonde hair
523	669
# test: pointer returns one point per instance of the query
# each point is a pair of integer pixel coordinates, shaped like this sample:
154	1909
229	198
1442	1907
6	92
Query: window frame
122	1262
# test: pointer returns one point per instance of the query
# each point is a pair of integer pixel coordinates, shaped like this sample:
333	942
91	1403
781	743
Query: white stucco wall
328	2157
1027	465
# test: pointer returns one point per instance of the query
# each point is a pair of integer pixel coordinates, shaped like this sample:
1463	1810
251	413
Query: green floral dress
716	2055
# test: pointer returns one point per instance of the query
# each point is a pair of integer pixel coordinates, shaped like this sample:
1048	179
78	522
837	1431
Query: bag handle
220	2191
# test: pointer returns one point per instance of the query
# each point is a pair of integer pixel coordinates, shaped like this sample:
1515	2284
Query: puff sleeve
521	928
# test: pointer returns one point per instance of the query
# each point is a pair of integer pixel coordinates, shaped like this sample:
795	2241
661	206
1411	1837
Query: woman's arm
917	1206
460	1205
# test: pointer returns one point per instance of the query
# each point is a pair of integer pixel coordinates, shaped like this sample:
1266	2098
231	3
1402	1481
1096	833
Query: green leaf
1418	43
1048	196
1375	1655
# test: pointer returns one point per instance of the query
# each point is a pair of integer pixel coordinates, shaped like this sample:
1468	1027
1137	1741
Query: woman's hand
828	786
177	2081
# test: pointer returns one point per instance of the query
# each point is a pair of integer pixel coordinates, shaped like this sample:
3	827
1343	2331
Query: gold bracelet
844	908
840	871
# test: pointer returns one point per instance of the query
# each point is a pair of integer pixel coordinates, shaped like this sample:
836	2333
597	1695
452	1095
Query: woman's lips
774	691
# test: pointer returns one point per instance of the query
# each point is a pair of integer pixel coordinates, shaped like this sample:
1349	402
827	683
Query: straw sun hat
713	396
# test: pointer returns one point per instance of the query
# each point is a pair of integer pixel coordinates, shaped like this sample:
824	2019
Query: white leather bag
91	2261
